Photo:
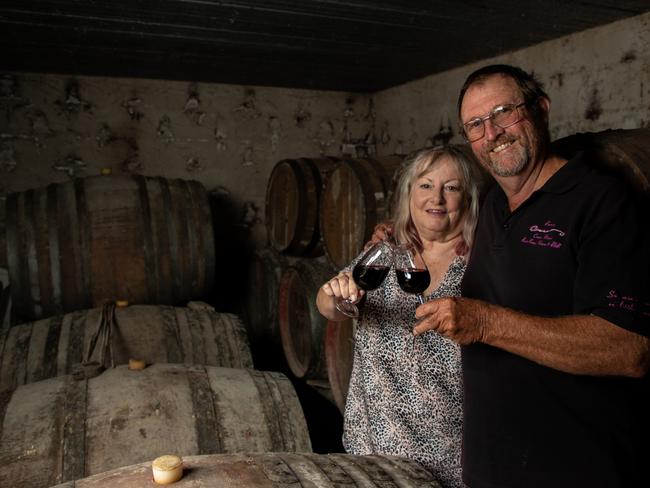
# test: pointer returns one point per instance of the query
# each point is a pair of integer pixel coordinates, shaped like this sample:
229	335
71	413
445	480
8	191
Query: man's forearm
578	344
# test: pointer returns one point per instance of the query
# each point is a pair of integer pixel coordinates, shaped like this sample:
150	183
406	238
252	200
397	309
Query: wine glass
368	274
412	273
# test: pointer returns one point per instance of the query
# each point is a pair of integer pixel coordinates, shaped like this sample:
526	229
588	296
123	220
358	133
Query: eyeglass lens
503	117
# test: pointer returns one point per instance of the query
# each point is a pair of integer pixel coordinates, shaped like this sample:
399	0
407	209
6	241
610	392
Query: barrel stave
339	356
115	236
30	444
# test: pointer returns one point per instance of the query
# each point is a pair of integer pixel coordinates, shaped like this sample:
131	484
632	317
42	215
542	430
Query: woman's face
438	201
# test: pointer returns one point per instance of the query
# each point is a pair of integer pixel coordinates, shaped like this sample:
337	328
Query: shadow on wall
233	247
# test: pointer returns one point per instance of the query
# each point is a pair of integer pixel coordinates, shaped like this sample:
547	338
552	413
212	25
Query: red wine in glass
413	280
368	274
369	277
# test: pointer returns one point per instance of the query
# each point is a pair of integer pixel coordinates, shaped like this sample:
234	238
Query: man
554	319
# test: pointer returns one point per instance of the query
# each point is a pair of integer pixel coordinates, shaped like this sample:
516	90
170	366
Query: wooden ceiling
347	45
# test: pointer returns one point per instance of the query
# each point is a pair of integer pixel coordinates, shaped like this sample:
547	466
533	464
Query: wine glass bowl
413	280
411	271
368	274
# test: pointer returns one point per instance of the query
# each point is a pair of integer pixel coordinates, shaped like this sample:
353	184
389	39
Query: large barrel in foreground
89	241
275	470
61	429
155	334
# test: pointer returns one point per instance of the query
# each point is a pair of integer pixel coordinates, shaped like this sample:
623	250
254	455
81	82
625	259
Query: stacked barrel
102	368
319	214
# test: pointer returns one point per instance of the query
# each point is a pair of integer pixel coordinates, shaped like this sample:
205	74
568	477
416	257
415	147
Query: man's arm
578	344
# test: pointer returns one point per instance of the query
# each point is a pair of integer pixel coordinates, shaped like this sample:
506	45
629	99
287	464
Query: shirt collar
564	179
568	176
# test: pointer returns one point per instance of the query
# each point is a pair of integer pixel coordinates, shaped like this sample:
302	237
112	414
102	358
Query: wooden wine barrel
152	333
624	152
89	241
292	198
61	429
260	312
275	470
302	327
339	356
356	196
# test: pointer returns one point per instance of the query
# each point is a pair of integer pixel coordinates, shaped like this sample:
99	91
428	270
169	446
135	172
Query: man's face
504	152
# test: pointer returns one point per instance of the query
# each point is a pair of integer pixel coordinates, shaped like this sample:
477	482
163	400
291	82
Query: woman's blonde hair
422	162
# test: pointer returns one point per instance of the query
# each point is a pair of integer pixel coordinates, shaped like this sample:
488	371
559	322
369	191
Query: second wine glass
412	274
411	271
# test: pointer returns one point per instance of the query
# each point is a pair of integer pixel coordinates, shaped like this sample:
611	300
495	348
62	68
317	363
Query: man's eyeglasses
502	116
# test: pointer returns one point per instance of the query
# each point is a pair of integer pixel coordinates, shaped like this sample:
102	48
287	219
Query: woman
406	401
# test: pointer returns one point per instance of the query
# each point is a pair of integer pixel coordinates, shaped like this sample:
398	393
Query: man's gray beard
522	162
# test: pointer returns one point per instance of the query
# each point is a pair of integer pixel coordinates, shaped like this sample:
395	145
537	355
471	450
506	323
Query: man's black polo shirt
579	245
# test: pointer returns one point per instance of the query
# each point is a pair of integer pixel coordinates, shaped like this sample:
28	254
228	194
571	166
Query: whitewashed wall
597	79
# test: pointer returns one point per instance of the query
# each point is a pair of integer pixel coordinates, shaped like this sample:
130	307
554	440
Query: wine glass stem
421	300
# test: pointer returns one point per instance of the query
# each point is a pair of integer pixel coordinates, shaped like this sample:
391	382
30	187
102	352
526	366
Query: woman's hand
343	286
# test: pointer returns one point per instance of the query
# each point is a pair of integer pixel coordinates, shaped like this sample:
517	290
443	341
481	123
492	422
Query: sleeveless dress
405	397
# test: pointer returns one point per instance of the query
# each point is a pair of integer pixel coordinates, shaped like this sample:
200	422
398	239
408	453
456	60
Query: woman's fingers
343	286
347	286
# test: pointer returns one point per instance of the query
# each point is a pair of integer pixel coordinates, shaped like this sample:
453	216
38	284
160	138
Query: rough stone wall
597	79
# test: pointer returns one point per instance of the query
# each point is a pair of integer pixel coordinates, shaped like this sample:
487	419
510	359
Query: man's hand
382	231
460	319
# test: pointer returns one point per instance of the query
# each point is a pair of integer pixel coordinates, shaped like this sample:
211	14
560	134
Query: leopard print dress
405	398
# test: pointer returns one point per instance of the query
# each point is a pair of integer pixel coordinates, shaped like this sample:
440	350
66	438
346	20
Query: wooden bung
167	469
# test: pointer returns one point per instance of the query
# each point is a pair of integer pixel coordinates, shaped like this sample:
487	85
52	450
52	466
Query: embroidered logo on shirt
546	235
